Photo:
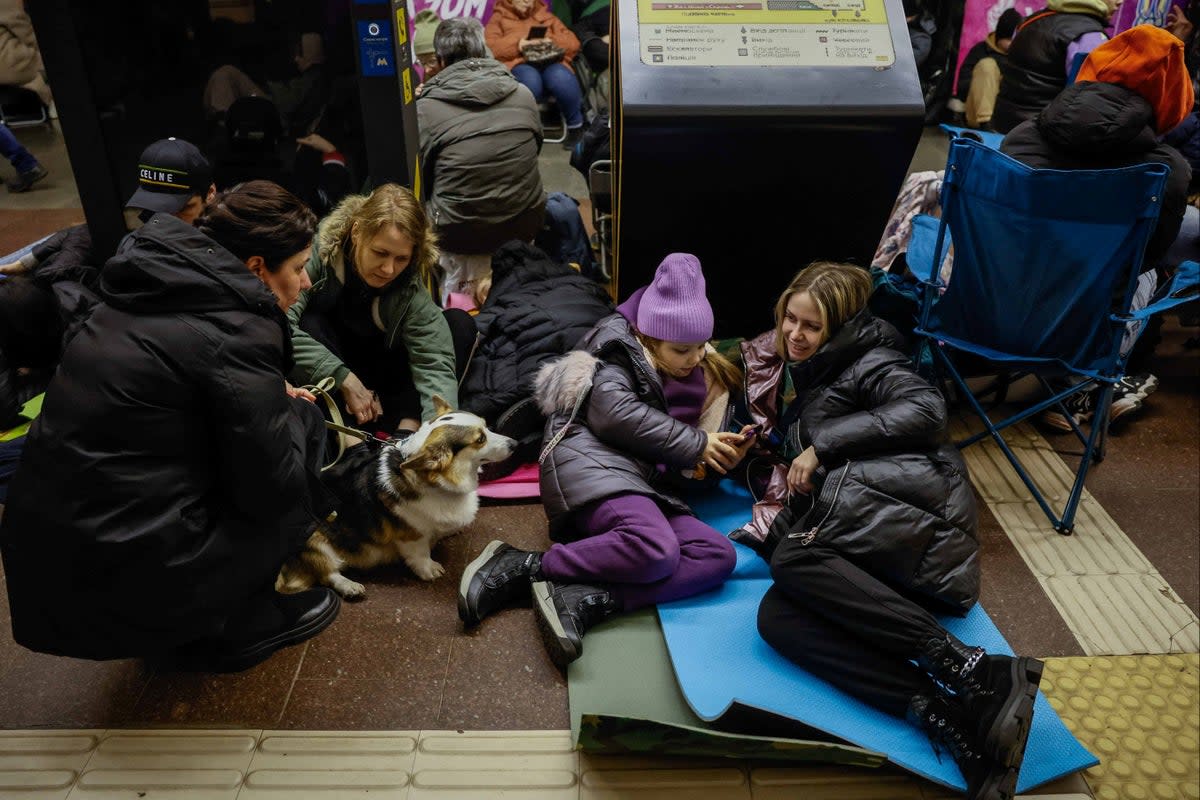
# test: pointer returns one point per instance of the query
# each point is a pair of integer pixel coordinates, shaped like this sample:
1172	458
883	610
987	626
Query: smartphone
537	32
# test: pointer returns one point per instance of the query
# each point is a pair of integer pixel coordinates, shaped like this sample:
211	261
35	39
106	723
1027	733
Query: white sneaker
1141	386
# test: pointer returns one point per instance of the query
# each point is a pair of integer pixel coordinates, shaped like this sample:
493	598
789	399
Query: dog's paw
348	589
427	569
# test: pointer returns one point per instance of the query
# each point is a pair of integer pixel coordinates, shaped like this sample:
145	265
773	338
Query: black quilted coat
895	498
165	480
536	310
619	436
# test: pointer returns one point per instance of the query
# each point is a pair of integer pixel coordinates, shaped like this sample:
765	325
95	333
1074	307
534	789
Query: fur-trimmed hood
561	383
333	232
611	338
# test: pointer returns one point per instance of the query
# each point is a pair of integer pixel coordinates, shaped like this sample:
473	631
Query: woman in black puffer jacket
172	470
888	536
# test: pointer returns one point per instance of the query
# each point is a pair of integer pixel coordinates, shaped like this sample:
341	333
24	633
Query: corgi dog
397	500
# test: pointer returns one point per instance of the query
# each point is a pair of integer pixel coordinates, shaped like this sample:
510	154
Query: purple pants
641	555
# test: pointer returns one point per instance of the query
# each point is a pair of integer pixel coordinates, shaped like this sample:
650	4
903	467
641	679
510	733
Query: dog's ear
431	458
440	406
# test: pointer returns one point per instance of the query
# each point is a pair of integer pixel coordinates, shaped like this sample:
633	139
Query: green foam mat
625	699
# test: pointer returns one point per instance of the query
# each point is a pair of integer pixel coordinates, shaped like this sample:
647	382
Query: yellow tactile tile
190	765
472	765
406	765
335	765
1140	715
1107	592
43	764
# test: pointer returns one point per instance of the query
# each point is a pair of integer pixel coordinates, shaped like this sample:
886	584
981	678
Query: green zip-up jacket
405	313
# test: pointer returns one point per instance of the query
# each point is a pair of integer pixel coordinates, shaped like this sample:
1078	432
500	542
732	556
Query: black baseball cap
170	171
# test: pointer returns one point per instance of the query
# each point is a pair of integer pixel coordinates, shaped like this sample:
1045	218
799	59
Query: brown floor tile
8	648
251	699
408	702
40	691
500	678
1015	600
19	228
384	641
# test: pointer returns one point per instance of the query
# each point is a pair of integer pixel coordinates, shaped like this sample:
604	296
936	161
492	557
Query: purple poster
1143	12
979	19
425	14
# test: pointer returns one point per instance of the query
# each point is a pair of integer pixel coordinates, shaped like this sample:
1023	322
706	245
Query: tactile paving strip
1108	593
1140	715
411	765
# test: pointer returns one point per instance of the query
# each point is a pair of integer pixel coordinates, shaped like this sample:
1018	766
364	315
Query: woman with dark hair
170	473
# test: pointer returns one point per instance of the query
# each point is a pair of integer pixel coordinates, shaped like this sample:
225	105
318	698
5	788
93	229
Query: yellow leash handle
345	434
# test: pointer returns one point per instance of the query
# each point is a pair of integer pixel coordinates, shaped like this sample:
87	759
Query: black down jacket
620	433
164	482
1093	125
895	498
536	310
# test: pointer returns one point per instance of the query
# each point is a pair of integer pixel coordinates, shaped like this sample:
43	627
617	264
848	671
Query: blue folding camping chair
1045	266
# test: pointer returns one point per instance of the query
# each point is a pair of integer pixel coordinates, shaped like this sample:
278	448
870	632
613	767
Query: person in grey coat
480	135
879	532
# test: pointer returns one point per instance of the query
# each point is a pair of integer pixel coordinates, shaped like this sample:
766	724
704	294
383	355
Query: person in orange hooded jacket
1129	92
508	37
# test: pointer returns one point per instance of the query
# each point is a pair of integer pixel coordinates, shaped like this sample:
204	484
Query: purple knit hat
673	307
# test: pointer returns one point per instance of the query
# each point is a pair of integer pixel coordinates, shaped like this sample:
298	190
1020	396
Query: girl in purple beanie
641	404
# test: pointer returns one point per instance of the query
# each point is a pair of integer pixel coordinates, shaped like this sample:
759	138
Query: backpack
563	236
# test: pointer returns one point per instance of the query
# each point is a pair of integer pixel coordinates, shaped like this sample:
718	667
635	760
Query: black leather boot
995	693
948	661
942	721
267	623
498	577
998	697
565	612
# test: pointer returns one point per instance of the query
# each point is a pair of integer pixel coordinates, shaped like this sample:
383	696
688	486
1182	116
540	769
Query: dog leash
322	390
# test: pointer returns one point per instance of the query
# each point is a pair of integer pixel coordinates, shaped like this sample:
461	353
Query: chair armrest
1184	288
920	249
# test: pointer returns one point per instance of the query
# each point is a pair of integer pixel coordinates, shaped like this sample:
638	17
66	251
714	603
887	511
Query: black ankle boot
565	612
942	721
498	577
949	662
995	693
998	698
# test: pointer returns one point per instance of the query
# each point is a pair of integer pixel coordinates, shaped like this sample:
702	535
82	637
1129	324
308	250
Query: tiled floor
400	661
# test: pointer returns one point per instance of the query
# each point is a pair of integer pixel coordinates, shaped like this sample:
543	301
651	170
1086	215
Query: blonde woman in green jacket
369	321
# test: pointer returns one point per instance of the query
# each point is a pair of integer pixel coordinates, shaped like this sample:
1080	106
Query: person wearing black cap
175	178
49	290
183	187
979	75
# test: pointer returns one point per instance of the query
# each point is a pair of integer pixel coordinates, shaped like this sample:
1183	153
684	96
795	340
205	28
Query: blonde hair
483	287
717	368
839	291
392	204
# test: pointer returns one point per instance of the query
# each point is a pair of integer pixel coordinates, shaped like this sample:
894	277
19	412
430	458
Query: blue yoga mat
26	249
719	659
